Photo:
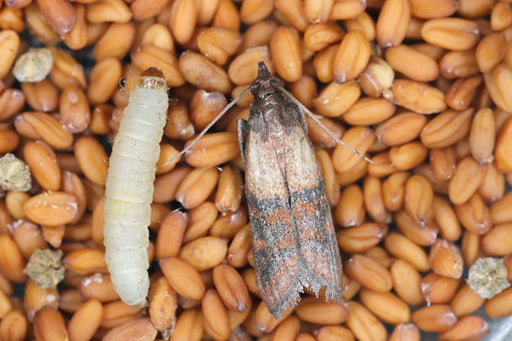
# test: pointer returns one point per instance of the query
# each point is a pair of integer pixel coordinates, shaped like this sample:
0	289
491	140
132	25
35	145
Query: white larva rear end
129	187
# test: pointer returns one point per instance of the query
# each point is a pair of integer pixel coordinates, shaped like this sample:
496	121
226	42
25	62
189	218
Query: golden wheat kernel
414	29
386	306
451	33
490	51
462	91
14	326
364	324
474	9
363	22
434	318
428	9
348	9
446	259
319	36
393	22
285	51
501	15
9	47
498	81
419	66
318	311
405	332
49	325
352	56
318	11
470	327
417	96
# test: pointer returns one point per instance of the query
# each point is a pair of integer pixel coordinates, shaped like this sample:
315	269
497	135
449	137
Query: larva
129	187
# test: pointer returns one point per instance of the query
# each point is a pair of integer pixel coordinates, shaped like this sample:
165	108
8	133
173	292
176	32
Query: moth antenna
317	120
334	137
201	134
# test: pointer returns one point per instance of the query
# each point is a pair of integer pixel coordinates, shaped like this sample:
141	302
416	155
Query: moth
129	187
292	230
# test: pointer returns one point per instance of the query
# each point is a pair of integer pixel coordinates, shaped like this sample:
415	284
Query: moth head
265	83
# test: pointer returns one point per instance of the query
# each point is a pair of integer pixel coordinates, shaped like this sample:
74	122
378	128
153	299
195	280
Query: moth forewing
129	187
312	216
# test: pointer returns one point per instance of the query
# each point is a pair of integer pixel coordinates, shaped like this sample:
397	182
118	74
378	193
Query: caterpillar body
129	187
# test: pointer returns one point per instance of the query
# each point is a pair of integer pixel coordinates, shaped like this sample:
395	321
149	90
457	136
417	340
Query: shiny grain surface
422	88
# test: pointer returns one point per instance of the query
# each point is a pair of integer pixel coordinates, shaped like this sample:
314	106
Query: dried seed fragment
488	277
33	66
45	268
377	77
14	174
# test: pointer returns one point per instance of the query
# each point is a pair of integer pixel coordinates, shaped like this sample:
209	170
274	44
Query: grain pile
421	87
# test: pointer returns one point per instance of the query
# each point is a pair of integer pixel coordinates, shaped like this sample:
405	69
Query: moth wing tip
333	294
286	306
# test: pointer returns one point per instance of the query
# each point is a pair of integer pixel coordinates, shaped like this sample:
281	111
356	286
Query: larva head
152	78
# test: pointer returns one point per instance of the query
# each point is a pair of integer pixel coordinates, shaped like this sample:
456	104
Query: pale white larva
129	187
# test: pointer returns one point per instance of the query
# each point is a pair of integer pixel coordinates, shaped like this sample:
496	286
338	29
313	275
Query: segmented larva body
129	187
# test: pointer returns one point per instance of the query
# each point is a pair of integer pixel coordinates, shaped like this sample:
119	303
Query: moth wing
319	260
274	239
